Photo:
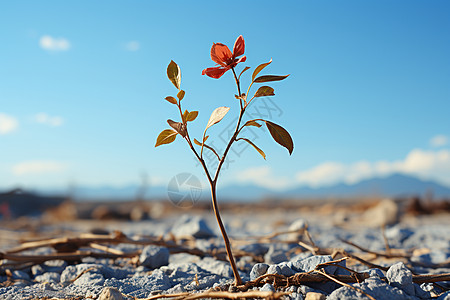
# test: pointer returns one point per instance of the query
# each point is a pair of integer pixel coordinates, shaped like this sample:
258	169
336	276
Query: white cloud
425	164
439	140
132	46
38	167
7	124
263	176
44	118
54	44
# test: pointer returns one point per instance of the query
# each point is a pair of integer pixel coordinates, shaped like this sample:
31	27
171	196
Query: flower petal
215	72
239	47
242	59
220	54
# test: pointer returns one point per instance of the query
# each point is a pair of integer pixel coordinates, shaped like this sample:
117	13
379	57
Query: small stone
386	212
296	296
48	277
154	257
192	226
400	276
20	275
90	279
110	293
397	235
255	249
267	288
55	266
310	263
37	270
274	269
376	272
315	296
374	286
420	293
216	266
285	269
304	289
274	256
298	225
258	270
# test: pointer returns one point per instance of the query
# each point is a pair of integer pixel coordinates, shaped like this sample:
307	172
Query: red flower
226	60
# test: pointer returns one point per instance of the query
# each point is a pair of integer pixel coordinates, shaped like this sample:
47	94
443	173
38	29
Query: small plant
226	61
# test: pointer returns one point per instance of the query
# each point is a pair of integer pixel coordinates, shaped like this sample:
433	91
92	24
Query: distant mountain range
397	185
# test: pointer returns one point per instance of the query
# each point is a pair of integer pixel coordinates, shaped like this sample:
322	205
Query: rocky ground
281	252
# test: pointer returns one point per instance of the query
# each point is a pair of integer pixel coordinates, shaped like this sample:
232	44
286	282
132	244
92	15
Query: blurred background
367	102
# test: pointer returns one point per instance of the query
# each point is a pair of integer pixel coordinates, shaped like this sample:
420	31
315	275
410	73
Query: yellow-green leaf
281	136
259	69
184	116
217	115
178	126
252	123
181	94
264	91
256	147
171	99
245	69
174	74
267	78
191	116
197	142
166	136
204	140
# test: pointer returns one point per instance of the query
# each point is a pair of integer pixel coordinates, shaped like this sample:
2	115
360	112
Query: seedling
226	61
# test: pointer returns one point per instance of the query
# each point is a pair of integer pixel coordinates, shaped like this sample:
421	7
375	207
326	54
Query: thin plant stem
237	278
213	181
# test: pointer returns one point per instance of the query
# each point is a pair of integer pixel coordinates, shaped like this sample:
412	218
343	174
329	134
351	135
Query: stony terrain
181	253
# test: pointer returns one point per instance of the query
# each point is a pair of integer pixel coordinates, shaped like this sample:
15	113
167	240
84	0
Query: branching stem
213	181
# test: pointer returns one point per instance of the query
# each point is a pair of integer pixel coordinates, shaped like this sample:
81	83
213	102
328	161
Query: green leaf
171	99
256	147
181	94
245	69
174	74
267	78
280	135
191	116
178	126
264	91
259	69
166	136
217	115
252	123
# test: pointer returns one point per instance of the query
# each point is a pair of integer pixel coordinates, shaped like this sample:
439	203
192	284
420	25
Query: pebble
154	257
48	277
375	287
315	296
274	255
386	212
110	293
300	225
258	269
194	226
400	276
267	288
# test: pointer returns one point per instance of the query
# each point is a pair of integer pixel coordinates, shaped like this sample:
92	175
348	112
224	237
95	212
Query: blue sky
82	87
